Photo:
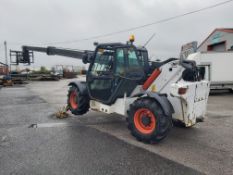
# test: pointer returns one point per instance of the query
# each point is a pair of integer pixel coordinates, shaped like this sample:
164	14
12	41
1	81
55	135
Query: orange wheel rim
144	121
73	100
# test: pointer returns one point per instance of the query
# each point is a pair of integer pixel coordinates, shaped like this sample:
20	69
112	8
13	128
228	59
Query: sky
46	22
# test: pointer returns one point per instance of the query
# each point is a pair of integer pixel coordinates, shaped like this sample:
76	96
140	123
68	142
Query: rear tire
147	121
77	102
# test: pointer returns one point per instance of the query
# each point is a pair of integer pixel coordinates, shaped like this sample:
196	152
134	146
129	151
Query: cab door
128	72
100	75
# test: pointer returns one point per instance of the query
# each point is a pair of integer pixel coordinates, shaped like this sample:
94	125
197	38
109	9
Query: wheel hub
146	120
73	100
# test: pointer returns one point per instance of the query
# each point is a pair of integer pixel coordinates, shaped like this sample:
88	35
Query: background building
219	40
3	69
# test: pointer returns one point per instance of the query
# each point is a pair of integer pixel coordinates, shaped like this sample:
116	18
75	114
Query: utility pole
5	44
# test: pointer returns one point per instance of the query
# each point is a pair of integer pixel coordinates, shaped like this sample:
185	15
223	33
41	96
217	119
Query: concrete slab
67	146
207	147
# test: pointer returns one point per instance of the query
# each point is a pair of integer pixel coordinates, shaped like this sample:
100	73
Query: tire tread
163	125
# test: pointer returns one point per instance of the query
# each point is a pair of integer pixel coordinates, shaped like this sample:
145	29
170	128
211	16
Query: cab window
120	62
103	61
133	61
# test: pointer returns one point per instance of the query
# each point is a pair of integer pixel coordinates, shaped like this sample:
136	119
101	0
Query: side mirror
87	57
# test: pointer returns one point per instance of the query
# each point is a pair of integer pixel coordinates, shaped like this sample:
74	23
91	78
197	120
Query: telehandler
122	80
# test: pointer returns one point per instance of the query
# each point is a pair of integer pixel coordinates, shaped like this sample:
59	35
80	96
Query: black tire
81	101
162	122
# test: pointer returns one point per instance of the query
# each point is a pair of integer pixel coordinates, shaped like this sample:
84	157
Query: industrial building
220	40
3	69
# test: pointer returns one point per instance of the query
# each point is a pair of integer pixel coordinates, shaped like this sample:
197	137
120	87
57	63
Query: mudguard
81	85
163	101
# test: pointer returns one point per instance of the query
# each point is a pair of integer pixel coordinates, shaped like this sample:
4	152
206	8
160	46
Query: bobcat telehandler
122	80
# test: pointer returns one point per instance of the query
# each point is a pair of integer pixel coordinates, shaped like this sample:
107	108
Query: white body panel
193	102
218	68
164	83
120	106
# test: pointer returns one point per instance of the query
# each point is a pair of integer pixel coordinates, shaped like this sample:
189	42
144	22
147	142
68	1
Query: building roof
227	30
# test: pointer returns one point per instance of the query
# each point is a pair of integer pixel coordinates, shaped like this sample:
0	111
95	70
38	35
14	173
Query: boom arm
85	55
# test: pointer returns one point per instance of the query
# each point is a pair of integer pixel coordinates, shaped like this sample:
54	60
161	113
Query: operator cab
116	70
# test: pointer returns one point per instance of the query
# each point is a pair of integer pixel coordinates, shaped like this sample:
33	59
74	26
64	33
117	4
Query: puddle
50	125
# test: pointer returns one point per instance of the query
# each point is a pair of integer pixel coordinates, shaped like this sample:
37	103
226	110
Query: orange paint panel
151	79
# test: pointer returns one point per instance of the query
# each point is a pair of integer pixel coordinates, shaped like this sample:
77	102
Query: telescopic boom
85	55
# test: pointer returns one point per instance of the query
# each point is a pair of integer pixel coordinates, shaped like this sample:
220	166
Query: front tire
147	121
77	103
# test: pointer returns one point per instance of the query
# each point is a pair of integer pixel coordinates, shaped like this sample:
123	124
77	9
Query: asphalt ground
34	141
